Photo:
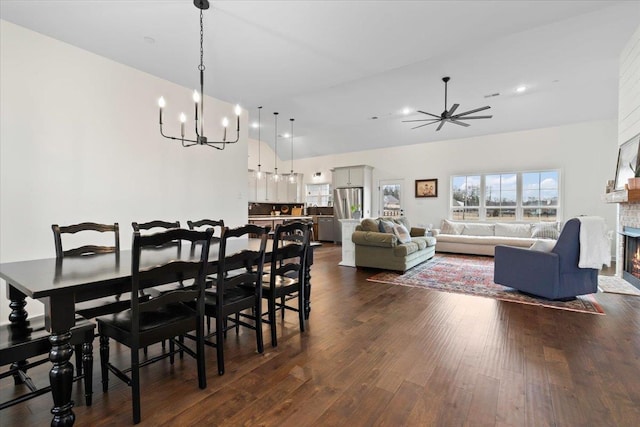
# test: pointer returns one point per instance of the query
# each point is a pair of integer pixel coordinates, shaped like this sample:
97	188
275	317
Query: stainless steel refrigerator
343	199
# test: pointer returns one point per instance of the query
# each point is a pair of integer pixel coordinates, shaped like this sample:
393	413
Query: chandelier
292	176
198	99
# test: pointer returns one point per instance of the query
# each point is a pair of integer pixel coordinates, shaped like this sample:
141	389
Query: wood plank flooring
384	355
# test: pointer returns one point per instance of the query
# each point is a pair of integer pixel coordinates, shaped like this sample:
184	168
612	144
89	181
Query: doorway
391	197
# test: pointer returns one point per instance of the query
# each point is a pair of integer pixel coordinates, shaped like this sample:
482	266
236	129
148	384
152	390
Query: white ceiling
335	64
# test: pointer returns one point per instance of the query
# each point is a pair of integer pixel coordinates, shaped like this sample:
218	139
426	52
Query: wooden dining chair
30	339
217	225
286	278
236	293
167	316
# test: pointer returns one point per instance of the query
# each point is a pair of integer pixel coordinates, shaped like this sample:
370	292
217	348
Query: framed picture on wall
426	187
627	157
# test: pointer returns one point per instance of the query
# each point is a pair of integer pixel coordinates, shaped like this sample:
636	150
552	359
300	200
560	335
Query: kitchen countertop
276	217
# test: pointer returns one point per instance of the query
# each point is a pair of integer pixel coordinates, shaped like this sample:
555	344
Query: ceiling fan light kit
448	115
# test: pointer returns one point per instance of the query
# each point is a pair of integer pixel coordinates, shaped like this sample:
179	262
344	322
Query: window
515	196
318	195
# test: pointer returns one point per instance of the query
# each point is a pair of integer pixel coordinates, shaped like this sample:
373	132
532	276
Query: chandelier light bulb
196	96
225	122
161	102
238	110
183	118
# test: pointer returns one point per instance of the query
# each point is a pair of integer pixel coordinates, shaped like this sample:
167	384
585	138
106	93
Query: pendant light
259	173
276	177
292	177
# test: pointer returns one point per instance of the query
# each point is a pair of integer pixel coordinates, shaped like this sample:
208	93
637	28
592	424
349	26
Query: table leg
59	316
17	316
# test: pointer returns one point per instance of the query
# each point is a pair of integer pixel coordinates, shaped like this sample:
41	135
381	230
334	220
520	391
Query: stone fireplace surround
628	216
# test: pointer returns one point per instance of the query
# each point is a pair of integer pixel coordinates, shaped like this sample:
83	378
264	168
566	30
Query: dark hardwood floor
377	354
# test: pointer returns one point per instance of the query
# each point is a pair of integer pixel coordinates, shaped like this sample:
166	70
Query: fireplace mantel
622	196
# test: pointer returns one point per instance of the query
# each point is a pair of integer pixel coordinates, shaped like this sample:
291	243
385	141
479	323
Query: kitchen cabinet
266	190
351	176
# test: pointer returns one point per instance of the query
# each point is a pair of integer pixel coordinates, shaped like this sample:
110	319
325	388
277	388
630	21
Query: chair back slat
289	254
137	226
217	226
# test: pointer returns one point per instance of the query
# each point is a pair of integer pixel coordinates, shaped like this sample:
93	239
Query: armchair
553	275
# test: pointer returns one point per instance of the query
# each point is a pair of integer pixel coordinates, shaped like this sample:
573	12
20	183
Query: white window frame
519	208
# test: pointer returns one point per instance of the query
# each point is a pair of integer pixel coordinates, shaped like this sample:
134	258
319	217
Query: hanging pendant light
198	99
292	176
276	177
259	173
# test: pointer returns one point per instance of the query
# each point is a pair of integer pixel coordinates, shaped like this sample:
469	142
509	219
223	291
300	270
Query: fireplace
631	255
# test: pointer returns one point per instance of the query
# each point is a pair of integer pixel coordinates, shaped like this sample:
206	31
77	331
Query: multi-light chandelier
276	177
198	99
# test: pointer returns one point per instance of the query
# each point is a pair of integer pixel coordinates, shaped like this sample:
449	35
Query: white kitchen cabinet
351	176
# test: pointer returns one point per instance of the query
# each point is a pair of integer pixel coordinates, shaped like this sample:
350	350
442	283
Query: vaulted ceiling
334	65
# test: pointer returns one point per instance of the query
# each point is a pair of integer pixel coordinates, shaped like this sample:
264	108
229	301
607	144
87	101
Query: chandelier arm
175	138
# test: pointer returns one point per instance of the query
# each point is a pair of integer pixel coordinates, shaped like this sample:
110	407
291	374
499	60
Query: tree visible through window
515	196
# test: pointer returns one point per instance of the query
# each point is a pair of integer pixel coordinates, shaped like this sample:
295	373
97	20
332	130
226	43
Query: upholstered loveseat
392	248
482	238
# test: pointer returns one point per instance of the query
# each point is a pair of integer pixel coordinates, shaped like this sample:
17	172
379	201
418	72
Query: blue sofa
553	275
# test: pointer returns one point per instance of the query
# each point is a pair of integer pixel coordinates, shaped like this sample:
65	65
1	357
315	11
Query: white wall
586	154
79	142
629	90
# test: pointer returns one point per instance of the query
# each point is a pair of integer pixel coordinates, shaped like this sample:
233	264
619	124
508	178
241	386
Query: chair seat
230	296
118	326
32	339
103	306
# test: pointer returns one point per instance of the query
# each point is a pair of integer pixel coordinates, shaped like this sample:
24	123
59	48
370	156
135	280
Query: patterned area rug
616	285
471	275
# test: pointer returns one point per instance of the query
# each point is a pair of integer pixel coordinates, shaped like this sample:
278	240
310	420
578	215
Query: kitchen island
274	220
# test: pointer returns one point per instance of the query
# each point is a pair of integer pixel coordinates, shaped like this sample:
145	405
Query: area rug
616	285
473	275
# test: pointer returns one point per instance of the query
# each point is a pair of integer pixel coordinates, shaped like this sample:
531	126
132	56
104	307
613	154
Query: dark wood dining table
59	283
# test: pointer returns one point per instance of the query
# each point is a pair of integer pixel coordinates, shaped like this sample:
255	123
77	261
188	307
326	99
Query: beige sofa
481	238
384	250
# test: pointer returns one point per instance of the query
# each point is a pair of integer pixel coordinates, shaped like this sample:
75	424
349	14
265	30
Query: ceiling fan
448	116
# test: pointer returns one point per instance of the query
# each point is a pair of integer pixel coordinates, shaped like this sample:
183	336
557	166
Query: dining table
60	283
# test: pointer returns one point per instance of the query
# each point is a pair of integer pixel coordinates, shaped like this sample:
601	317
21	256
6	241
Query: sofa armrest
418	232
435	232
372	238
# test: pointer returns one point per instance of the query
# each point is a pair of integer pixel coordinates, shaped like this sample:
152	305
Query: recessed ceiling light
406	111
255	125
286	135
521	89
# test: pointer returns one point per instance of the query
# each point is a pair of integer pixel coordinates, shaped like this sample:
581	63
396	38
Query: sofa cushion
404	221
544	230
487	240
386	226
543	245
513	230
406	249
428	240
402	233
369	224
471	229
449	227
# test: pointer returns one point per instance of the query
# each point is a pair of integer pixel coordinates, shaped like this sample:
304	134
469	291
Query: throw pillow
369	224
543	246
545	231
386	226
402	233
449	227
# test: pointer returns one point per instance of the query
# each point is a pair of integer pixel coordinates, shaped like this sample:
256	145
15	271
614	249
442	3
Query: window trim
519	208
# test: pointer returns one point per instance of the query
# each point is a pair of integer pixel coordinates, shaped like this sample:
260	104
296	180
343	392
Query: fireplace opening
631	266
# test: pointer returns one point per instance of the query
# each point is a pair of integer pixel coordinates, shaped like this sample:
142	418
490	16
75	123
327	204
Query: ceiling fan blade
421	120
473	117
473	111
425	124
440	125
459	123
453	108
429	114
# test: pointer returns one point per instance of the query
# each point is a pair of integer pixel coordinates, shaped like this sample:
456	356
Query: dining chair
104	305
217	225
286	278
167	316
30	339
238	292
